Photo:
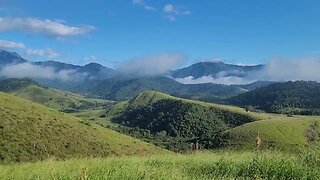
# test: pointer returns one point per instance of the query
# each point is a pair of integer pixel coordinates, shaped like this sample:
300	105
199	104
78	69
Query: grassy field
31	132
205	165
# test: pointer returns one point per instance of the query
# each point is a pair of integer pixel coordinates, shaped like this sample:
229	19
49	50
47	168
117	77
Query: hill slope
56	99
30	132
173	122
278	132
298	97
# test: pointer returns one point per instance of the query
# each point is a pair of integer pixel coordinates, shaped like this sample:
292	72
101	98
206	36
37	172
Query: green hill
278	132
30	132
174	123
298	97
56	99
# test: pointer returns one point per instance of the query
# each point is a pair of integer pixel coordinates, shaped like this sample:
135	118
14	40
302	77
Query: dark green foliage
298	97
174	124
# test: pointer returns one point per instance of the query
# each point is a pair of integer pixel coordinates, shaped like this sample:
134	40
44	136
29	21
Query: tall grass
207	165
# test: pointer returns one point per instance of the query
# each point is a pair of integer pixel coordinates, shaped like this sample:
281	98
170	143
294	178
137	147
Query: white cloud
145	6
4	44
47	27
152	65
278	69
168	8
42	53
173	11
28	70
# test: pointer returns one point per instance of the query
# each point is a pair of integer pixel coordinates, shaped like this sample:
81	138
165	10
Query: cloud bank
28	70
152	65
47	27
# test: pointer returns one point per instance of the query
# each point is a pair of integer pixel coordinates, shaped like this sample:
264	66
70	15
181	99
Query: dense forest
300	97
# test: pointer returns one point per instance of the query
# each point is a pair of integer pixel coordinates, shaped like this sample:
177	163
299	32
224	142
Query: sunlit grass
207	165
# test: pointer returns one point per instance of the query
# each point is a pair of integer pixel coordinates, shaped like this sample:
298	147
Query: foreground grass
226	165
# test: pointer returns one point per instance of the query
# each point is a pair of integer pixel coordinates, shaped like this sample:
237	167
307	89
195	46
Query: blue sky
109	31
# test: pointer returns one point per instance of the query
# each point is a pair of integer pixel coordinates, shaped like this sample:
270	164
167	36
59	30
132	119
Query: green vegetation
174	123
219	165
56	99
124	89
279	132
298	97
32	132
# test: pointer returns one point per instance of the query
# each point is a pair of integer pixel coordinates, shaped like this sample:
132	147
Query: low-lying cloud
277	69
152	65
291	69
28	70
229	80
51	28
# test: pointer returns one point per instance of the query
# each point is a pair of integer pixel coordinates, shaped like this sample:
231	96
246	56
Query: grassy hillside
219	165
287	133
298	97
174	123
146	113
56	99
30	132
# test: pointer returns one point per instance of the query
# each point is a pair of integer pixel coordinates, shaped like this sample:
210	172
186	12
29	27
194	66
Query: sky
112	32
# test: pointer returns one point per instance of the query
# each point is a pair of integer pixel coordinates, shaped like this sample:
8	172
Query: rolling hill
53	98
31	132
174	123
300	97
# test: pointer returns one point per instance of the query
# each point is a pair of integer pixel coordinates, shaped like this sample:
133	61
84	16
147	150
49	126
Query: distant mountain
76	72
7	57
300	97
119	88
213	69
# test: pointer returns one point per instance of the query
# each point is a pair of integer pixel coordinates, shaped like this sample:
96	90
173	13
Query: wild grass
205	165
32	132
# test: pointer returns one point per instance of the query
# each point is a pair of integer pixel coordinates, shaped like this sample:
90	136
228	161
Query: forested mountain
125	88
213	69
300	97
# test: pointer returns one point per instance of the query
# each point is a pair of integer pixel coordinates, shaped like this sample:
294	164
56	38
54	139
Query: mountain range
98	71
97	80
